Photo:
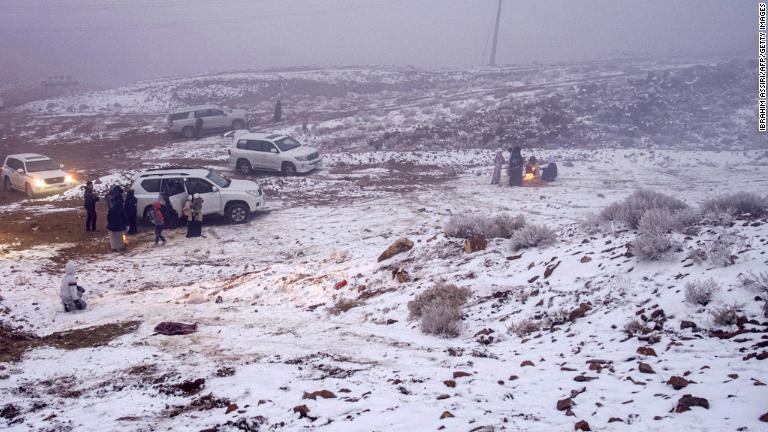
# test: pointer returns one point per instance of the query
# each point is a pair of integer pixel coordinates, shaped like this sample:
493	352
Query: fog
115	41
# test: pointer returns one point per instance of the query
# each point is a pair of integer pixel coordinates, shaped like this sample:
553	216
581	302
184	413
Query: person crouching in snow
71	294
157	219
498	163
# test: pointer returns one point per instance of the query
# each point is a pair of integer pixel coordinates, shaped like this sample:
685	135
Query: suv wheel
289	169
7	184
238	124
188	132
237	213
28	191
244	166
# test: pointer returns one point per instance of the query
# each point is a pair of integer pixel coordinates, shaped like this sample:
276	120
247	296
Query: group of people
517	168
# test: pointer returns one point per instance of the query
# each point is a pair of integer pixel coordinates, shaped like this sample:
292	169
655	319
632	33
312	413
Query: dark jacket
130	204
90	198
515	167
116	217
549	173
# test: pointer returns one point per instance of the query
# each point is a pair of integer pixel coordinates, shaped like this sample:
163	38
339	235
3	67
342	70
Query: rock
170	328
733	376
677	382
325	394
564	404
459	374
446	414
687	401
688	324
764	417
526	363
443	396
585	259
475	244
219	300
399	246
340	284
195	298
302	410
513	377
645	368
646	351
450	383
581	425
345	390
231	407
582	378
579	312
550	269
615	419
595	367
400	275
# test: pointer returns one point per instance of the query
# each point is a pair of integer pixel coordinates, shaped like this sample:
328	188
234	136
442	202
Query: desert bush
700	292
594	223
662	220
343	305
725	315
738	203
653	246
556	318
523	327
720	250
532	236
755	281
631	209
466	225
440	317
441	292
635	327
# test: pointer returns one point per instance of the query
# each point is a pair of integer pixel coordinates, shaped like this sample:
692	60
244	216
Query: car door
271	156
10	170
18	179
217	118
177	192
208	192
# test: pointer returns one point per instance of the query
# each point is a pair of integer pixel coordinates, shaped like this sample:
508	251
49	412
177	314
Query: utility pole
496	35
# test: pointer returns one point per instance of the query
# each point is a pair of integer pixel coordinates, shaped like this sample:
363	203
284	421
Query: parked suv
234	199
258	151
215	118
35	174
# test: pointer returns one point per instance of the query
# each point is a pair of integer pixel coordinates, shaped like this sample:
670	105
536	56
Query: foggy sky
115	41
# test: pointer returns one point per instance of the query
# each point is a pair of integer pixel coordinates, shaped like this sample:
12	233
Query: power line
496	35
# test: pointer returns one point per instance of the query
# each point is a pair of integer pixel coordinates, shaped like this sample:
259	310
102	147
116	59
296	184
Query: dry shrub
634	328
466	225
725	315
736	204
653	246
662	220
447	293
343	305
720	250
631	209
523	328
532	236
441	318
700	292
755	281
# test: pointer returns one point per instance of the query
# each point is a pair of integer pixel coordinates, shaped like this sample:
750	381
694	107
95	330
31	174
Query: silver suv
215	118
35	174
271	152
234	199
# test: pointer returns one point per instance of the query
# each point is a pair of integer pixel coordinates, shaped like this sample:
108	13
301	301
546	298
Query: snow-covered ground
271	339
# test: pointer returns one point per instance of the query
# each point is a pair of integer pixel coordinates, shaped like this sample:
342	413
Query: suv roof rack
174	168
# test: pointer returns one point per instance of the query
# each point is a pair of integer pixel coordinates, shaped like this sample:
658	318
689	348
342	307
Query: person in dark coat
117	221
515	167
89	202
278	111
170	215
198	128
195	226
549	173
130	212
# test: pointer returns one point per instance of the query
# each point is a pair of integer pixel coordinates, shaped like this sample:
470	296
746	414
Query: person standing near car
70	293
198	128
157	219
195	227
130	211
117	221
498	164
89	203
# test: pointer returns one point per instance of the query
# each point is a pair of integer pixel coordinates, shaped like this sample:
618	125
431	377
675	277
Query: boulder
446	414
581	425
645	368
325	394
646	351
579	312
170	328
399	246
564	404
687	401
677	382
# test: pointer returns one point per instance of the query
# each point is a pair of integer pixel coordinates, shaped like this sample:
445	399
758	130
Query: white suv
35	174
234	199
271	152
215	118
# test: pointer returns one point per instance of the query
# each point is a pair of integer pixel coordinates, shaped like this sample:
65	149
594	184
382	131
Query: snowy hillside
300	325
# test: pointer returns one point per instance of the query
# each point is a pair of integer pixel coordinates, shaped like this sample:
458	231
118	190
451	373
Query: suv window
243	145
173	186
215	112
42	165
201	113
178	116
151	185
198	186
13	164
267	146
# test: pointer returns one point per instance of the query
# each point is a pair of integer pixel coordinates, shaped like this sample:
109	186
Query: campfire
125	240
532	172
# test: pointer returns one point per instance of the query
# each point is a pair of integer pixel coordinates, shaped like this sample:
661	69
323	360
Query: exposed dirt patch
13	343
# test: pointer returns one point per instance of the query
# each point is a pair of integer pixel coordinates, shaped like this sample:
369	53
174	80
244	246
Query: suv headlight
38	182
255	193
302	158
69	179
